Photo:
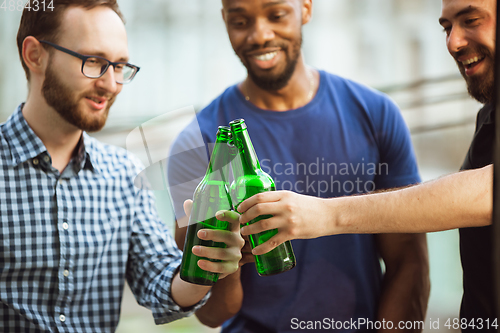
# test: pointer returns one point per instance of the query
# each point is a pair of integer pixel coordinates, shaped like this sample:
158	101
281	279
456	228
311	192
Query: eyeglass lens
95	67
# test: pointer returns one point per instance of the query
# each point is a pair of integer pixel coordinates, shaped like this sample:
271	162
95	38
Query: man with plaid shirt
73	225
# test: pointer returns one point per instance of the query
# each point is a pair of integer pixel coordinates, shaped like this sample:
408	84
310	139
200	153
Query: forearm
225	301
404	303
187	294
460	200
406	283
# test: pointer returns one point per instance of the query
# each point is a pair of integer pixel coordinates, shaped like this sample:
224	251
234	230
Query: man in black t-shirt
462	200
470	37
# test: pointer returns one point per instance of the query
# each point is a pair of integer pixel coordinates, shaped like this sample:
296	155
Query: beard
62	99
273	82
480	87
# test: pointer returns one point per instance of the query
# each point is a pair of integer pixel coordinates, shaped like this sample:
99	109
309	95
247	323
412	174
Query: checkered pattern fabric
68	241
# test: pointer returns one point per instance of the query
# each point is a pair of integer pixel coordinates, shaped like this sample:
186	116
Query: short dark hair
44	24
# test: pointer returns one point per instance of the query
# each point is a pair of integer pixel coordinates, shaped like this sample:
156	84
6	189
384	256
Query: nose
456	40
261	32
107	81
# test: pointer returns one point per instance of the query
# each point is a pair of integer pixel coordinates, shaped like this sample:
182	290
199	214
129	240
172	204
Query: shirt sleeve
186	166
154	259
398	163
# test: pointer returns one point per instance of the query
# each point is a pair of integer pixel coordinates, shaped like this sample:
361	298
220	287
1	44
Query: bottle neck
249	163
218	167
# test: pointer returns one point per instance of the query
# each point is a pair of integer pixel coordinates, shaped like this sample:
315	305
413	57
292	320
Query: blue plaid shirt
68	241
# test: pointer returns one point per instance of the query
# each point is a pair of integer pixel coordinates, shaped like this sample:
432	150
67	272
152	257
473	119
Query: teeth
266	56
94	100
470	61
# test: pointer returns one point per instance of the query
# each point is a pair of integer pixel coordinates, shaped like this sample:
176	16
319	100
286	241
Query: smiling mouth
266	56
471	62
96	100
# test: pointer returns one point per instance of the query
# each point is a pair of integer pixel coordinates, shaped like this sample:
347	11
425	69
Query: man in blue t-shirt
320	135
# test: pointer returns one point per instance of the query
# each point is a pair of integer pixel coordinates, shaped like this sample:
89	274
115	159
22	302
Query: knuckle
241	243
292	232
259	197
289	207
293	221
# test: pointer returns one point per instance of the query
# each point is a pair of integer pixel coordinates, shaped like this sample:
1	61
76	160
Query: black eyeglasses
94	66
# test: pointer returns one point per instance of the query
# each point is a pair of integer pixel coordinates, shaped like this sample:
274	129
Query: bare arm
463	199
459	200
227	294
406	284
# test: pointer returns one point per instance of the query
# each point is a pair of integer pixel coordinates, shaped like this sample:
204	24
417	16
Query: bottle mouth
224	129
238	124
225	133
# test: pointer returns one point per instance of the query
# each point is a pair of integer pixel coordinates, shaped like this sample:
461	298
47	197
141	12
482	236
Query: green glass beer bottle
210	196
249	179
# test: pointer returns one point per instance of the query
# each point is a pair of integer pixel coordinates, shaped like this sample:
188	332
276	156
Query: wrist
337	216
186	294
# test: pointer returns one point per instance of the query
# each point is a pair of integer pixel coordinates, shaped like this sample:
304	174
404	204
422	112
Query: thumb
188	205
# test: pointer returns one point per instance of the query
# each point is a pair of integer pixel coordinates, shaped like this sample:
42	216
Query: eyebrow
273	3
465	11
102	55
266	5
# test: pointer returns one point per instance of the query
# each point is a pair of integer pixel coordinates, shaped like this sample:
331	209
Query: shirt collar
25	145
89	151
490	114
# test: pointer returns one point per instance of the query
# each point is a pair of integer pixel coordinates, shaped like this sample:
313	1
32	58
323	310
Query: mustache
269	44
473	50
99	94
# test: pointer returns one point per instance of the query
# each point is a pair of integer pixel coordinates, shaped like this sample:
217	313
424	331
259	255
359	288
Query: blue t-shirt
349	139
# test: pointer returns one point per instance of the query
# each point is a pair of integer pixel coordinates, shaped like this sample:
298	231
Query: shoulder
3	140
354	89
112	160
4	145
357	98
201	130
228	97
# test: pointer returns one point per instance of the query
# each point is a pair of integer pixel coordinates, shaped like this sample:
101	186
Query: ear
306	11
223	14
34	55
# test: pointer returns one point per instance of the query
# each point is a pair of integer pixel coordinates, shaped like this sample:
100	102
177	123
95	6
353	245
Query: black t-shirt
476	244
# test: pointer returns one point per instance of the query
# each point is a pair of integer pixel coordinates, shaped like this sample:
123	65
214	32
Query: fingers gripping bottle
210	196
249	179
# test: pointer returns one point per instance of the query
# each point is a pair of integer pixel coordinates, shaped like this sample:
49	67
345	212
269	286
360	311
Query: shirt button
46	158
35	161
65	226
62	318
66	273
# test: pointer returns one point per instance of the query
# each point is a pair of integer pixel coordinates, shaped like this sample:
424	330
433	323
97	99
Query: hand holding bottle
295	216
231	255
250	179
